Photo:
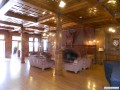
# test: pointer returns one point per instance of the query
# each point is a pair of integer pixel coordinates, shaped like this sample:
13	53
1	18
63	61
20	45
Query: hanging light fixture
62	4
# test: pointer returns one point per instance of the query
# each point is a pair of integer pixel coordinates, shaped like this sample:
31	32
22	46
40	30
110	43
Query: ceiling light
80	17
50	34
92	10
113	30
53	35
110	29
94	40
51	13
43	13
44	34
62	4
53	17
112	1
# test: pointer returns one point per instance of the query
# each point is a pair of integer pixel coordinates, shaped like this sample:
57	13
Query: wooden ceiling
36	14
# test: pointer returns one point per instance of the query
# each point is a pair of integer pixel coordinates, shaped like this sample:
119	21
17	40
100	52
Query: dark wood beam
68	24
117	17
108	25
21	16
6	27
95	20
42	19
9	23
75	7
101	6
45	5
71	18
38	28
42	4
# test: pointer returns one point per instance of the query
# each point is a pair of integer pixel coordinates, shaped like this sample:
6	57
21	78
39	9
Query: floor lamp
101	50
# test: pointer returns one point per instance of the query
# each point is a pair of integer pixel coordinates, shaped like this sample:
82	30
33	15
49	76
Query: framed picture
115	42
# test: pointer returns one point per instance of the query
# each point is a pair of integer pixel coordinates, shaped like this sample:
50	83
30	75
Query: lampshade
100	49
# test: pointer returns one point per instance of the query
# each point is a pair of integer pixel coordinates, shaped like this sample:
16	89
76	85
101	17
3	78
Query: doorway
2	49
2	46
16	46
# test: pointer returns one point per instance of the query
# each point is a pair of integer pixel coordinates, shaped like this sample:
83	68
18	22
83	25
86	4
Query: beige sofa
78	64
41	61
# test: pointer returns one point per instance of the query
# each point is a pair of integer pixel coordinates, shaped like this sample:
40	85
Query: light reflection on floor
11	69
17	76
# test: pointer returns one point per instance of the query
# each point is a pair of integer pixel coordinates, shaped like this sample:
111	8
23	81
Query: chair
86	63
75	66
41	62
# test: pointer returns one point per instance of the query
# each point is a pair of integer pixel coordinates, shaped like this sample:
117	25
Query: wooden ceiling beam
117	17
71	18
42	4
108	25
101	6
21	16
42	19
95	20
68	24
9	23
6	27
38	28
74	7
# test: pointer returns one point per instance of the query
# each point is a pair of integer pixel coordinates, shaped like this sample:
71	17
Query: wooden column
22	45
58	62
8	45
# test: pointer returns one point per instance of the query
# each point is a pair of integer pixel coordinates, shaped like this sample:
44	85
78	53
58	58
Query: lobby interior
88	28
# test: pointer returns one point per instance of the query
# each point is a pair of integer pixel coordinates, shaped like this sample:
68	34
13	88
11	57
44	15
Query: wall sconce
48	35
92	42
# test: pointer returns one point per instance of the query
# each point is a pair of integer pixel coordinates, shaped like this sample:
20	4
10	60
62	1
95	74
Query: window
2	37
30	46
31	39
2	46
36	39
17	38
36	44
33	44
45	44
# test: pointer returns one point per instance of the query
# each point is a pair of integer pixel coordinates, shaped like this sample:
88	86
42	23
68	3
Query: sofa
74	66
86	62
112	72
78	64
40	61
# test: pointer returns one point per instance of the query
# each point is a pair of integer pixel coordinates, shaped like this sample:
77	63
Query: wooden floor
17	76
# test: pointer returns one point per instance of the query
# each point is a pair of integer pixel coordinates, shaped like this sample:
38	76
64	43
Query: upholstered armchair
74	66
41	62
78	64
86	63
